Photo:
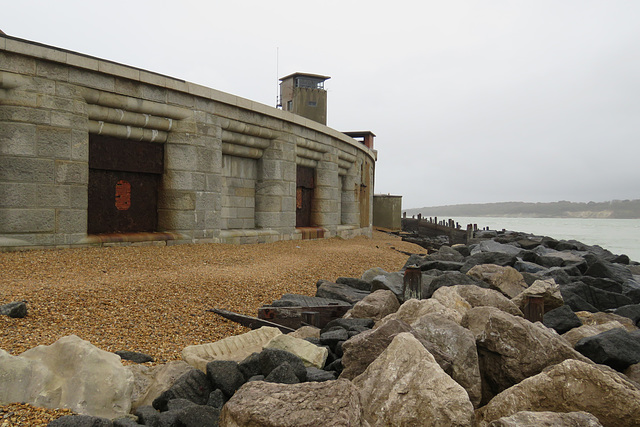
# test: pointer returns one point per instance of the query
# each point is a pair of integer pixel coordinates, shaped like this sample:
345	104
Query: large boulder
375	306
412	310
70	373
460	344
476	296
505	348
340	292
362	349
493	246
406	386
562	319
503	279
569	386
151	381
497	258
617	348
602	300
548	419
547	289
450	278
445	253
584	331
311	355
599	318
192	385
608	270
330	403
235	348
631	311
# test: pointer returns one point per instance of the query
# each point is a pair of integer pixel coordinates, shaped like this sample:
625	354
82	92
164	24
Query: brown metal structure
123	185
305	183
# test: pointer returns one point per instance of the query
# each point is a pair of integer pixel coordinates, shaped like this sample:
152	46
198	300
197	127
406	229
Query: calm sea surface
620	236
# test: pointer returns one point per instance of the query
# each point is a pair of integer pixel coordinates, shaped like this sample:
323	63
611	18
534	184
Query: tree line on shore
620	209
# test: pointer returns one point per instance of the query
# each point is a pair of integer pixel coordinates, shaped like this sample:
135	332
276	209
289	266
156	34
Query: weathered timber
295	317
248	321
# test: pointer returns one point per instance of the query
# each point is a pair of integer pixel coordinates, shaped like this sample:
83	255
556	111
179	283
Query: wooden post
412	283
534	308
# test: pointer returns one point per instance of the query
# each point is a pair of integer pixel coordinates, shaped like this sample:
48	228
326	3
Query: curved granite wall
216	167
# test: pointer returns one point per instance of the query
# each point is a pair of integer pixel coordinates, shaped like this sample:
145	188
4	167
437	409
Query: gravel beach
152	299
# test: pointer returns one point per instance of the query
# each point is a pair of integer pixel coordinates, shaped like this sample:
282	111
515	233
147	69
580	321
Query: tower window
312	104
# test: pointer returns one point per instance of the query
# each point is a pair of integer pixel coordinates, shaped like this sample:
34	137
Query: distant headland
619	209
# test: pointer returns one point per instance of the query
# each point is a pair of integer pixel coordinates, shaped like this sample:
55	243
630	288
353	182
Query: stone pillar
43	157
190	193
349	210
276	188
324	208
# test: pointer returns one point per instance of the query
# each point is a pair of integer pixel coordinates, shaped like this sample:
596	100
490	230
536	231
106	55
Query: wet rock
405	386
330	403
569	386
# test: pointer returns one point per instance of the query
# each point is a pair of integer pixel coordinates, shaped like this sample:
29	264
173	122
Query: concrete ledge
107	239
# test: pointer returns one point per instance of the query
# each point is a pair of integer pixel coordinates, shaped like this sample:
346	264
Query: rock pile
463	355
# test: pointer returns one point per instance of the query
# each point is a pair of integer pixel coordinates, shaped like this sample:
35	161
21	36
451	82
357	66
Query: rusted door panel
305	183
123	155
122	202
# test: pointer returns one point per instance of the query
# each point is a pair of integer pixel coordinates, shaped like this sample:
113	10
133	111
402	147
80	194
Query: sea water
620	236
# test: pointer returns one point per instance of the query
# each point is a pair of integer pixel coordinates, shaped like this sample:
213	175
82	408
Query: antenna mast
278	100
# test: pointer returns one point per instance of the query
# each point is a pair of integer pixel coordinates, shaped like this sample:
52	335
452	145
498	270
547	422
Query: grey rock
270	359
616	348
193	386
450	279
631	311
340	292
225	375
283	374
548	419
198	416
602	300
375	306
16	309
134	356
320	375
250	366
354	283
81	421
562	319
217	399
179	404
348	324
393	282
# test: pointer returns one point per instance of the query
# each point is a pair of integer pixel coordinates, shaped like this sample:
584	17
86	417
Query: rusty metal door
123	185
305	184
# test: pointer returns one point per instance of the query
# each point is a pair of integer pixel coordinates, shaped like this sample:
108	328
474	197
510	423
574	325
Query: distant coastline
614	209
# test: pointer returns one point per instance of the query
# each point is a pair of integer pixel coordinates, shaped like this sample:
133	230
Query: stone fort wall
213	167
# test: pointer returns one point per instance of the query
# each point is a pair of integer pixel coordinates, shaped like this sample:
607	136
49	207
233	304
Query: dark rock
250	366
349	324
576	302
441	265
16	309
392	282
331	338
608	270
340	292
497	258
283	374
313	340
562	319
296	300
193	386
452	278
530	278
124	422
198	416
179	404
320	375
631	311
549	261
271	358
602	300
338	348
529	267
631	289
616	348
565	245
134	356
621	259
528	244
256	378
335	366
225	375
217	399
414	259
560	276
602	283
354	283
462	249
81	421
147	415
549	242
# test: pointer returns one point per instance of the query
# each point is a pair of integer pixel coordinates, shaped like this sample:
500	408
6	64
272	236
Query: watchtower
304	94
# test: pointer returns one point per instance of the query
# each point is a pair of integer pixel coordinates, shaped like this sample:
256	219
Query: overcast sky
471	101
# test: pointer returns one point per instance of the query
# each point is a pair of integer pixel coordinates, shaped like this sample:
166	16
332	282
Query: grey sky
471	101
